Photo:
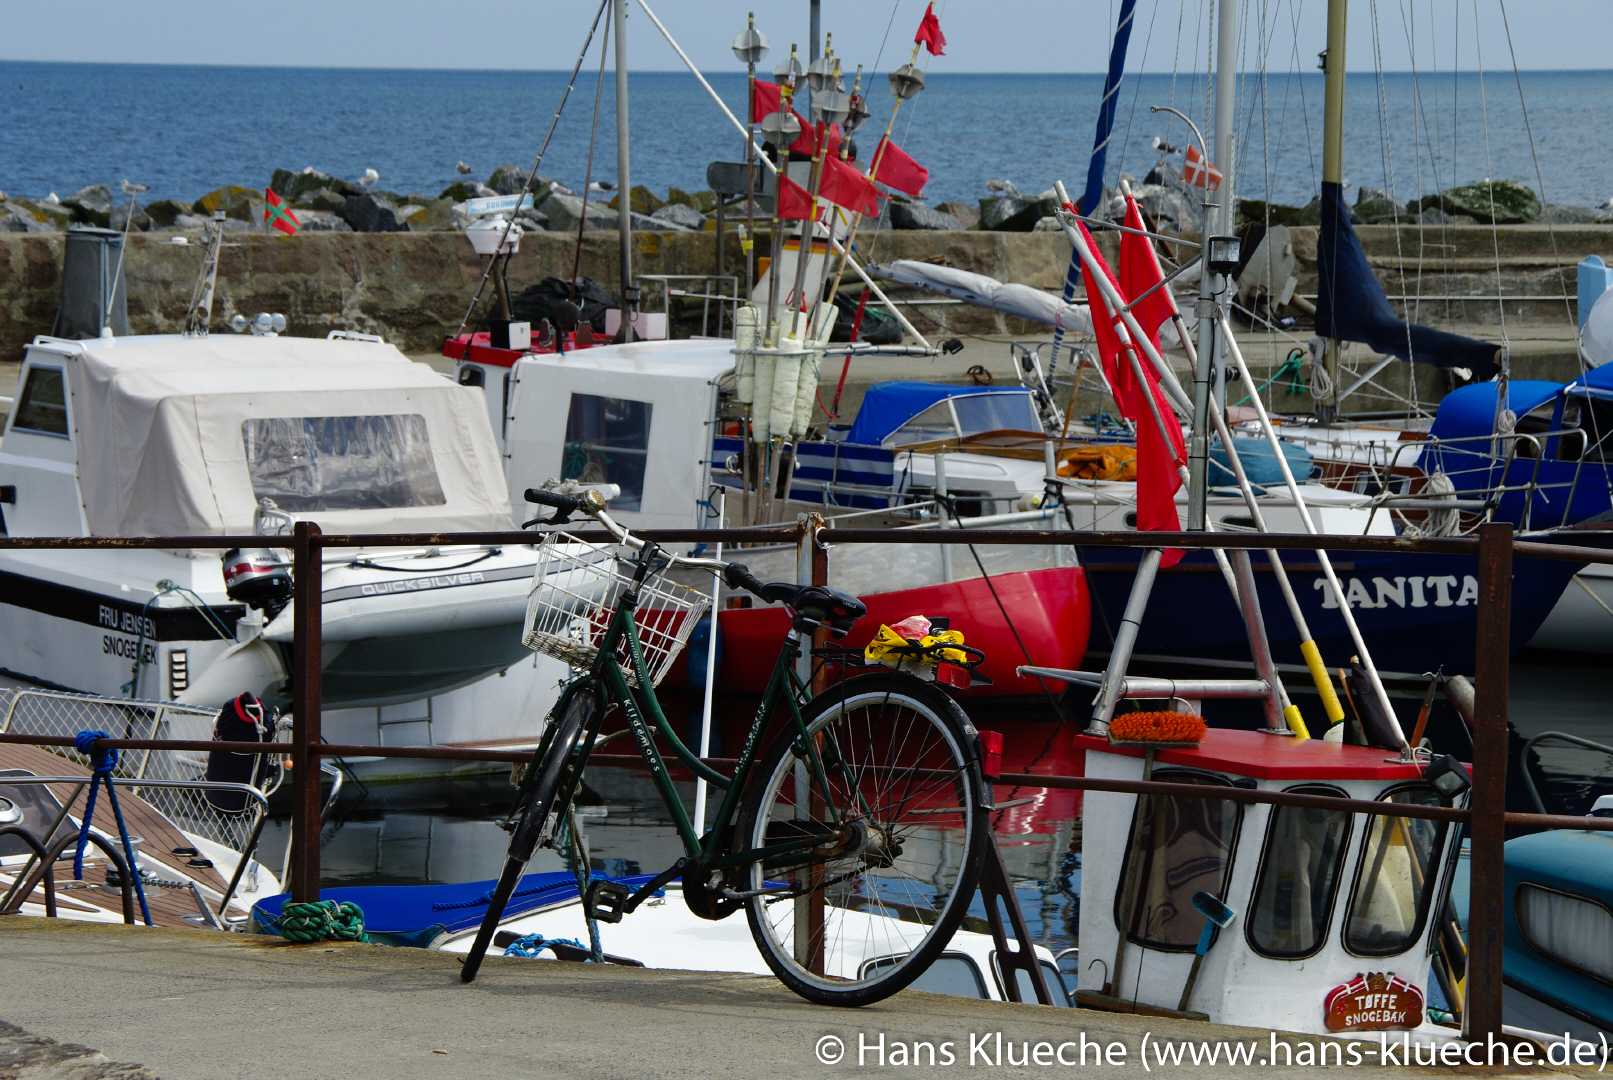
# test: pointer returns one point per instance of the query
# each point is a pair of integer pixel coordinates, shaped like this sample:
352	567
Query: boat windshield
1396	878
966	415
1182	846
1299	878
324	463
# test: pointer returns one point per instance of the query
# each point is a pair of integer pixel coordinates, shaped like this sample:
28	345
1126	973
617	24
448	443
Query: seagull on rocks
1162	146
463	169
1606	207
370	176
1004	186
132	190
600	187
52	199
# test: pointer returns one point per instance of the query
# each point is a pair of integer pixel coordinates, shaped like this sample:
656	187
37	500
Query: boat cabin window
970	414
994	412
42	405
952	973
324	463
1587	429
1298	878
1183	846
1573	930
608	442
1396	878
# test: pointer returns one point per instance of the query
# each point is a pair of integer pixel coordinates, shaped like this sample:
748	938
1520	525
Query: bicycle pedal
605	901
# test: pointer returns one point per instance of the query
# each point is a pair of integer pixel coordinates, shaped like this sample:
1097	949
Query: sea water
185	130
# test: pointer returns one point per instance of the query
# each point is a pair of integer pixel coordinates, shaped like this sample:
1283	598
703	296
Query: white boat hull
1582	621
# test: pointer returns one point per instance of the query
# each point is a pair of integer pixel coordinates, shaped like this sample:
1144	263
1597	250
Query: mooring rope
323	920
102	762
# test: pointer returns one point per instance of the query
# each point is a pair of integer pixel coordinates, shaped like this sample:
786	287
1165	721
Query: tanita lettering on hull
1376	1001
1418	592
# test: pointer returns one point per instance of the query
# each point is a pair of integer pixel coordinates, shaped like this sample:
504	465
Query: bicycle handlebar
592	503
567	503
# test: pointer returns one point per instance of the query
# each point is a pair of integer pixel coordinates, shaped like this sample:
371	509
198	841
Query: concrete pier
204	1005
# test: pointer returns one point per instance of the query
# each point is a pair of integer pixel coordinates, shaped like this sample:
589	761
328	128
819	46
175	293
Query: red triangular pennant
895	169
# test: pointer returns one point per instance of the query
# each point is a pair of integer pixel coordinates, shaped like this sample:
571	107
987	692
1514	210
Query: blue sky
983	35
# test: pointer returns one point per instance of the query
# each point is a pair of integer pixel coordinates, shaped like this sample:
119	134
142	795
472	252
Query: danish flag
1199	172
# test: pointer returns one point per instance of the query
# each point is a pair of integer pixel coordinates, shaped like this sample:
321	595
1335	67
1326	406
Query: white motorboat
198	435
194	832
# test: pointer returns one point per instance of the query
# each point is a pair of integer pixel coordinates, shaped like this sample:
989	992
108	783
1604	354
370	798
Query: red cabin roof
1271	757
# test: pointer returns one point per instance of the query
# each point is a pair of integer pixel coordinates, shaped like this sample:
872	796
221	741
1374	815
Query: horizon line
682	70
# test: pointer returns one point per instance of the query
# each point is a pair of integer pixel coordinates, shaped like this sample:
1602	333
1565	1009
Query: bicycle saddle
817	603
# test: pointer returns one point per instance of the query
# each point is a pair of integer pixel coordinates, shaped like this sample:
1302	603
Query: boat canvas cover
988	292
666	388
163	428
1351	305
1469	411
887	406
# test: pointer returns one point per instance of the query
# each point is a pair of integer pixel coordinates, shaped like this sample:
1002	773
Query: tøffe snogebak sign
1375	1001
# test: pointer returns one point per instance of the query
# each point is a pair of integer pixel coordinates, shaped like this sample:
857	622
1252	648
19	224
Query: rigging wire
527	187
588	174
1137	89
1489	181
1535	156
1386	149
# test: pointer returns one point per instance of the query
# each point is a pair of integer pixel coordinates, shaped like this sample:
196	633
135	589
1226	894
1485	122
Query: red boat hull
1050	610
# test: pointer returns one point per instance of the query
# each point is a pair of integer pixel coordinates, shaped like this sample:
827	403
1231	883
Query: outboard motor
246	719
258	578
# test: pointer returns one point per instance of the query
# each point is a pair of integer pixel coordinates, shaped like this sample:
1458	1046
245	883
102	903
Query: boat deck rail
1494	548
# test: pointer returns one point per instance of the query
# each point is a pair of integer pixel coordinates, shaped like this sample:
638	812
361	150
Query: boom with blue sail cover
1351	305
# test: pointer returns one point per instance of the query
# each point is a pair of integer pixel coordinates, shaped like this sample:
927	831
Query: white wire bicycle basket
574	594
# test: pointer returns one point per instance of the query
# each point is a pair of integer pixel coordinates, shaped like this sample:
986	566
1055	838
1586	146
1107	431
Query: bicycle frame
606	673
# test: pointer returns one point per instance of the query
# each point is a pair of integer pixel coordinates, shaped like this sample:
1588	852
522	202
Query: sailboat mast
1333	162
1220	218
624	181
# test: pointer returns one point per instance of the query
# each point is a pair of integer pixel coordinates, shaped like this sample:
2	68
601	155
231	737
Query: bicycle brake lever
560	518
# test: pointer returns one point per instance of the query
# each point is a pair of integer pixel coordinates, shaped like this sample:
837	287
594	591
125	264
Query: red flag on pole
1197	171
929	34
1139	272
278	214
1158	453
844	186
765	102
794	201
895	169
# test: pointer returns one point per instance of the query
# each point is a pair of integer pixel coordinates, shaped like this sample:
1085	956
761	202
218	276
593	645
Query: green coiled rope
325	920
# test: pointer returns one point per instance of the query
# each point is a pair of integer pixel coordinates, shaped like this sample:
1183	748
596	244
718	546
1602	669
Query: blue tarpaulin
414	915
1351	305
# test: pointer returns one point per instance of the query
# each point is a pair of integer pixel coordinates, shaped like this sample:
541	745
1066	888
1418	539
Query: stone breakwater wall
413	288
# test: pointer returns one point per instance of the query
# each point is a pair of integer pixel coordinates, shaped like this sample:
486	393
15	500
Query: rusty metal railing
1486	816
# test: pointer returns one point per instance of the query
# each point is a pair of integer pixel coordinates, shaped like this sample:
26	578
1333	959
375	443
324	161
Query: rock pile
328	203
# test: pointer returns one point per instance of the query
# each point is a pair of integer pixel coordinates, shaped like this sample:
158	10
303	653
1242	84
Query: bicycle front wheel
890	803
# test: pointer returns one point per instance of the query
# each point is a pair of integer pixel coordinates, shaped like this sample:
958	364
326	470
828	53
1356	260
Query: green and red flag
278	214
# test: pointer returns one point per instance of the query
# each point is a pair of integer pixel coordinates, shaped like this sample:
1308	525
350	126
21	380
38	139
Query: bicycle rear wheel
528	831
900	834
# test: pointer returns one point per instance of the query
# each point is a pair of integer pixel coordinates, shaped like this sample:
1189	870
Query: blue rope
531	945
102	762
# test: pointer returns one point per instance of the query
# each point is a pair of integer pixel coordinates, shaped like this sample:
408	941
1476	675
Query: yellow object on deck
1296	722
1324	683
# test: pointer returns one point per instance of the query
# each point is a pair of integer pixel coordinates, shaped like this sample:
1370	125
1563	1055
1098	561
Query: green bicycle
853	843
